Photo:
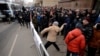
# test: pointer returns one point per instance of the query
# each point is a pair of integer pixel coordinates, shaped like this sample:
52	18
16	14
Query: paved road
16	41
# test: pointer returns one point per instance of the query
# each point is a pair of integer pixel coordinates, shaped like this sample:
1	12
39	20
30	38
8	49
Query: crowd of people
80	28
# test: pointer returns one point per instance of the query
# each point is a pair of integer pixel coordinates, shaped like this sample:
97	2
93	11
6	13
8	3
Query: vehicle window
4	7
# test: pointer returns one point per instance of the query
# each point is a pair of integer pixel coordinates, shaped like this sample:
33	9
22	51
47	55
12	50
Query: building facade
5	0
37	2
76	4
49	3
96	5
21	2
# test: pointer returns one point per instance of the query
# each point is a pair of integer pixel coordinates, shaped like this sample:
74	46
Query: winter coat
66	27
98	20
95	41
27	16
67	20
44	21
93	18
88	32
77	45
52	32
34	21
39	18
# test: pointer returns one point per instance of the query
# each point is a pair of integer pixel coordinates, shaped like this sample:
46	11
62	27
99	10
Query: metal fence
38	42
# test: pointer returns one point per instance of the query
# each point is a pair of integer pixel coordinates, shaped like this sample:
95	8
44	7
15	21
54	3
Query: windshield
4	7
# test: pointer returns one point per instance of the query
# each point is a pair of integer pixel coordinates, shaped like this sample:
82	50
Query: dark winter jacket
86	29
98	20
93	18
88	32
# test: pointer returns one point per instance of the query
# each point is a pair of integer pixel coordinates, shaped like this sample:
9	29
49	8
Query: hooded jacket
77	45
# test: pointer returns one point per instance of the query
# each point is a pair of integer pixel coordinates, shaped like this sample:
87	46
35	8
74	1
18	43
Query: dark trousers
27	24
99	51
73	54
91	51
54	44
66	32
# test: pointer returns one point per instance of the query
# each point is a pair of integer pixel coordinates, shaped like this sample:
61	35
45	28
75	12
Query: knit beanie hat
55	23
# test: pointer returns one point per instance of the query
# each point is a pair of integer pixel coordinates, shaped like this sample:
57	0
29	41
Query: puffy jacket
95	41
76	45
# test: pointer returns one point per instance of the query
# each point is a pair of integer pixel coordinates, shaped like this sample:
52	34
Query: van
6	9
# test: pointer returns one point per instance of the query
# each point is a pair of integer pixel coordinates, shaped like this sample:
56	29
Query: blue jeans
73	54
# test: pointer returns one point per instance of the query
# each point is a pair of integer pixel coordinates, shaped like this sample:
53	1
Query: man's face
70	12
99	15
93	11
85	22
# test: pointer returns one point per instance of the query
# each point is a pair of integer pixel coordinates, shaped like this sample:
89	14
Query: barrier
38	42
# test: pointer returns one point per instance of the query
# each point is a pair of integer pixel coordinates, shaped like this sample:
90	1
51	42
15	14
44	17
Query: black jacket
88	32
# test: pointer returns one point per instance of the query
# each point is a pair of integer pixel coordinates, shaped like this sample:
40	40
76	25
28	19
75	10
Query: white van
8	8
